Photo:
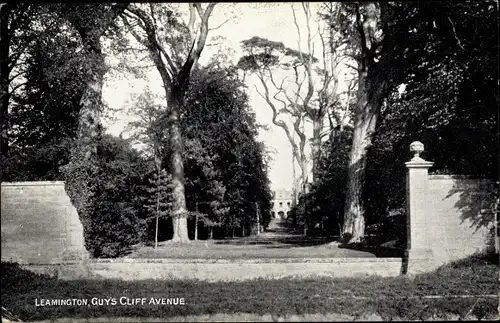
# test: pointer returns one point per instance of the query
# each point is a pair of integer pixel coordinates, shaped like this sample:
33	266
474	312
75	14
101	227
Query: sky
268	20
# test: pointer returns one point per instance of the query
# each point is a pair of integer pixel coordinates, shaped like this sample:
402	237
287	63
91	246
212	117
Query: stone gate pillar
420	256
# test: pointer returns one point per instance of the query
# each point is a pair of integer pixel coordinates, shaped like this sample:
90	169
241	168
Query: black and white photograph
249	161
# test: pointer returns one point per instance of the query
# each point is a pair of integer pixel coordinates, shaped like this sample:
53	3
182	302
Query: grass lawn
278	242
221	249
398	297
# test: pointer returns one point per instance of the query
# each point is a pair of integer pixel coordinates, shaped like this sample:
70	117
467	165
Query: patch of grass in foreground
389	297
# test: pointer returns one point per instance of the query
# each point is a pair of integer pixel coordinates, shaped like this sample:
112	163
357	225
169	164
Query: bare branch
302	136
285	105
168	59
12	78
361	31
192	17
272	79
154	46
13	89
455	33
263	96
220	24
278	123
308	63
350	88
134	33
198	8
204	26
13	60
281	90
298	33
152	13
198	44
326	78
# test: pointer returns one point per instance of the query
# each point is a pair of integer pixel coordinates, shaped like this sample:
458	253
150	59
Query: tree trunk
295	184
89	123
158	171
196	223
4	79
365	119
157	213
89	118
257	215
316	147
179	211
303	168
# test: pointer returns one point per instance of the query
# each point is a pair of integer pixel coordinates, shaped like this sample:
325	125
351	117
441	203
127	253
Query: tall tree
52	83
311	92
225	165
16	35
388	41
263	58
321	98
448	103
91	21
382	36
150	130
175	56
45	79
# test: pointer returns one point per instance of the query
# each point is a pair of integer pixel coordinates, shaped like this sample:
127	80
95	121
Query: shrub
106	192
37	163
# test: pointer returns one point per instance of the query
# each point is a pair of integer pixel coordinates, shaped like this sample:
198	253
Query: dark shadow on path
280	234
378	251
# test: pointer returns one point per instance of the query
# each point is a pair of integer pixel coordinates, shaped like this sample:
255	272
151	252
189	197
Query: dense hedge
106	191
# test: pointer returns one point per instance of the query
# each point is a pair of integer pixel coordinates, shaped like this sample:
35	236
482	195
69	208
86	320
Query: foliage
225	167
39	134
38	163
158	200
106	192
150	130
323	206
266	58
17	22
36	112
440	77
447	104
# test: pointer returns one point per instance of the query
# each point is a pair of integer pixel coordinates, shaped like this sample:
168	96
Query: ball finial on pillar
417	148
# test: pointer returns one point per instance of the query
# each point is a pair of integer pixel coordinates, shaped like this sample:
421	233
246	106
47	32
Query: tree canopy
424	71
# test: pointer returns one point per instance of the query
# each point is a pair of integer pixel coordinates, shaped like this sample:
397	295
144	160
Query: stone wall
449	217
463	217
39	224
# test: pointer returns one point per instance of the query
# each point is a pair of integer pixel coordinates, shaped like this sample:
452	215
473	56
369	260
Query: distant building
282	204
